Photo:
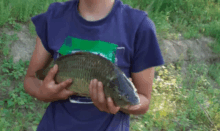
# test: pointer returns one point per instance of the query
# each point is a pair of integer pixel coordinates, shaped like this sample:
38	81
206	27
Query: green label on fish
72	45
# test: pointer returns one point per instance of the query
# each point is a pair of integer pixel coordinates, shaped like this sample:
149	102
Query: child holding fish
90	21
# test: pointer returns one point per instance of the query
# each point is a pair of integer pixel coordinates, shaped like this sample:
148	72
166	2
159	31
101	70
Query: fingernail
99	84
109	99
70	80
54	66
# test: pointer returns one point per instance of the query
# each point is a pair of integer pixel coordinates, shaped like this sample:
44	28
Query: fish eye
119	96
126	96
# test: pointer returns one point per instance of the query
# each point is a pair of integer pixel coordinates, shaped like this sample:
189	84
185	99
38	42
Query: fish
82	67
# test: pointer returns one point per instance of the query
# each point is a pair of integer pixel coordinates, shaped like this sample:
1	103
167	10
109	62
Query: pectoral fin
40	74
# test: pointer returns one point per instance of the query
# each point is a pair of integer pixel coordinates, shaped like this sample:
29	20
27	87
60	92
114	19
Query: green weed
213	29
5	10
32	29
178	102
214	72
16	26
5	41
189	17
192	18
192	32
22	10
181	103
18	110
14	70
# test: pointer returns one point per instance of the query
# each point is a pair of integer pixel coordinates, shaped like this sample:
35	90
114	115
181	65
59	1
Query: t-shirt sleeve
147	52
40	21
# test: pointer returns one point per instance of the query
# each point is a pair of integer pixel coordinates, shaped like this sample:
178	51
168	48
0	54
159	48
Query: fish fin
40	74
78	53
112	78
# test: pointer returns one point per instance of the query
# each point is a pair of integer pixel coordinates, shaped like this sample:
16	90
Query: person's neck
93	10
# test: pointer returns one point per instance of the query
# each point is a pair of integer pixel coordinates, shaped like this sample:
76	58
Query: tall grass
22	10
4	12
190	17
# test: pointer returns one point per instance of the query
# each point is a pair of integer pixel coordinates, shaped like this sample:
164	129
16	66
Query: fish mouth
136	102
133	101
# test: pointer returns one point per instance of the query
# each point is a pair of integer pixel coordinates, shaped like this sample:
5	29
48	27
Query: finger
65	94
94	90
101	97
63	85
135	107
130	79
111	106
51	74
126	107
90	89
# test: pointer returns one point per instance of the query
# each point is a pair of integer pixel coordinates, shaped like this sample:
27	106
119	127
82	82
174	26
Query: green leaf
34	128
2	103
5	51
1	77
20	103
10	103
5	70
6	83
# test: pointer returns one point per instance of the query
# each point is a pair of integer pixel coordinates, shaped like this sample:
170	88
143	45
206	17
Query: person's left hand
98	97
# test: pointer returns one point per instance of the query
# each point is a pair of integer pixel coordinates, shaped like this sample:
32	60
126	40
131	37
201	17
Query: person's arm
45	90
143	82
39	60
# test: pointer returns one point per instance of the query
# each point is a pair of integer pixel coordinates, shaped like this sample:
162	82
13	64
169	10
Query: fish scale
82	71
83	67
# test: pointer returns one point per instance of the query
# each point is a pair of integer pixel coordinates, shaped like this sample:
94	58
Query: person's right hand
49	91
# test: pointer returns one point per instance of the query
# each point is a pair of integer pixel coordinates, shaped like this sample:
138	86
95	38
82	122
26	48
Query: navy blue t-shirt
138	49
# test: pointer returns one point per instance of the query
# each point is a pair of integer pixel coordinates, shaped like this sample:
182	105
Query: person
109	21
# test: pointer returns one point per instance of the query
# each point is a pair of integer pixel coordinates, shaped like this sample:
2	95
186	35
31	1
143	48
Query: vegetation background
180	102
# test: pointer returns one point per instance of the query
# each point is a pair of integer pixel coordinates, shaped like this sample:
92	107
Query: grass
18	110
215	75
179	101
192	18
5	41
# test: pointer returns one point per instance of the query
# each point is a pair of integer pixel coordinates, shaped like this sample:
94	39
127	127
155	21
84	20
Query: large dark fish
82	67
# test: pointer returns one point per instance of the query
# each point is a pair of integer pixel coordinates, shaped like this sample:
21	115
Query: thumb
52	73
64	94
